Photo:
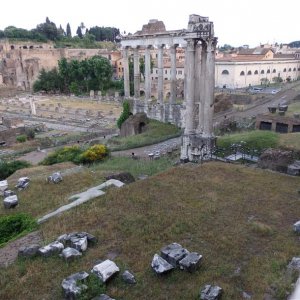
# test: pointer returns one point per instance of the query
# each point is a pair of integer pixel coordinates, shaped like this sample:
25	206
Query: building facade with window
252	67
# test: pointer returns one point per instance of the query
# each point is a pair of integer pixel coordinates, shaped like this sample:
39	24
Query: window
249	73
255	72
242	73
284	70
274	71
166	71
290	69
268	72
225	72
156	71
262	72
294	69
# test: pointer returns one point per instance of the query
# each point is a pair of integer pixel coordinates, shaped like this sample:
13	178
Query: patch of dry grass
208	209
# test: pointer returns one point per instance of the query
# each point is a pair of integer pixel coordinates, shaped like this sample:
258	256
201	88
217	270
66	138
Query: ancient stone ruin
200	45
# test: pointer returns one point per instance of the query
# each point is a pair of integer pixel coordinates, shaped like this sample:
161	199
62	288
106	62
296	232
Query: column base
196	147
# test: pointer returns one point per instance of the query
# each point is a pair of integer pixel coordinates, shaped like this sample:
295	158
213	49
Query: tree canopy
77	76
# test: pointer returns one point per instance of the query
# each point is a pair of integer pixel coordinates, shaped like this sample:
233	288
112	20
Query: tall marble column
137	75
126	73
210	86
190	86
173	74
160	67
147	75
198	86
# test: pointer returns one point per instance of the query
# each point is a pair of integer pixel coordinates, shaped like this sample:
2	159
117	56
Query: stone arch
294	69
31	47
249	72
12	47
290	69
225	72
262	72
242	73
255	72
268	71
142	93
25	47
284	70
274	71
141	127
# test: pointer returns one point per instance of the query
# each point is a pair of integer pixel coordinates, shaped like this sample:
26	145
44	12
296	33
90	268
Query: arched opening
12	47
168	95
242	73
268	71
142	93
255	72
25	47
249	73
284	70
274	71
142	127
30	47
294	69
290	69
225	72
262	72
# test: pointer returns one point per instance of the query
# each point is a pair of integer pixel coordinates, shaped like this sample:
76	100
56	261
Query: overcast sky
237	22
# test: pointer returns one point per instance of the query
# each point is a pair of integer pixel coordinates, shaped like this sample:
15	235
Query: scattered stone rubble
22	183
173	256
3	186
210	292
105	270
73	285
296	227
103	297
55	177
11	201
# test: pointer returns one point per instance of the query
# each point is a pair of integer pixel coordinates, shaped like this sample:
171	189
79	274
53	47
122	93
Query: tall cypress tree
69	34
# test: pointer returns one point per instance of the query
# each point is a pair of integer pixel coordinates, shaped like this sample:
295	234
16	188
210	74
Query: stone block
8	193
29	251
3	186
55	177
105	270
191	262
11	201
294	168
70	253
70	285
210	292
173	253
52	248
79	243
294	264
22	183
296	227
128	277
160	265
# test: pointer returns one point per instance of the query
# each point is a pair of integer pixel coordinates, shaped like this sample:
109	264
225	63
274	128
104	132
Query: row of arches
226	72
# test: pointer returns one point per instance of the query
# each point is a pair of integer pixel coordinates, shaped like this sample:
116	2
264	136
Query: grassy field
156	132
260	140
240	219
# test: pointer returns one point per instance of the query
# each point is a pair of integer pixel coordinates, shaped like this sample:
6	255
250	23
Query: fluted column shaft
173	74
160	67
147	75
136	70
190	86
210	85
126	73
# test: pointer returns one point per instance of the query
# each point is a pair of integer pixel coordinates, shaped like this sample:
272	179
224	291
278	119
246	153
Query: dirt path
9	253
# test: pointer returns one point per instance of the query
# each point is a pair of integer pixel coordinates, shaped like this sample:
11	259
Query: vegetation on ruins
125	114
78	77
77	155
156	132
15	225
9	167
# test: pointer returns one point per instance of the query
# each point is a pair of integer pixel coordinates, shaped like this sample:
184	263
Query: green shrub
21	138
30	133
125	114
69	153
14	225
95	153
8	168
94	288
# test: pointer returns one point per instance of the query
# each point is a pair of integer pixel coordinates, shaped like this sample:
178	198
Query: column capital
161	46
209	44
190	44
